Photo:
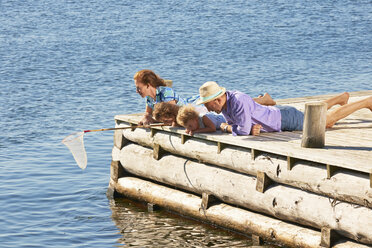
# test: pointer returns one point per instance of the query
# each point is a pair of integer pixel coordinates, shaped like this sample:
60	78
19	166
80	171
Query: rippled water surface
67	66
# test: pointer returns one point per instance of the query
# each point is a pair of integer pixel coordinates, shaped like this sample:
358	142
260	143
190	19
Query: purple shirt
242	112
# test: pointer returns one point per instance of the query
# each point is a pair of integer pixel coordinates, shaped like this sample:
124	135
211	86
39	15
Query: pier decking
336	179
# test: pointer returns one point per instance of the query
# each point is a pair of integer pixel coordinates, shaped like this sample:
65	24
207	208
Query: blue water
67	66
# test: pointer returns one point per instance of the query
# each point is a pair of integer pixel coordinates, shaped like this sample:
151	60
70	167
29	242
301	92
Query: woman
151	86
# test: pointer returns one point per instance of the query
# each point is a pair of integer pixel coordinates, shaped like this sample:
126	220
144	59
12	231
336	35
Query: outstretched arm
147	117
209	127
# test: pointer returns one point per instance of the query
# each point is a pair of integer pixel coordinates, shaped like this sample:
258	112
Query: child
166	112
194	122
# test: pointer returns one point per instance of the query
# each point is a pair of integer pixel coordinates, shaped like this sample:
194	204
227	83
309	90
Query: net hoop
75	143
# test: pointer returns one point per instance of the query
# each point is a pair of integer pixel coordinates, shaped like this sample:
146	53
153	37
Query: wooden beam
157	152
263	181
328	237
116	171
331	170
184	138
151	207
256	240
153	132
290	162
220	147
133	127
255	153
119	140
207	201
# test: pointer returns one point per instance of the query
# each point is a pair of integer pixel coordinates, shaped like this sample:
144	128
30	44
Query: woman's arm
147	117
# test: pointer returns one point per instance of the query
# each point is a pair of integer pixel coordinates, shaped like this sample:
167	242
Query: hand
190	132
223	126
256	129
146	120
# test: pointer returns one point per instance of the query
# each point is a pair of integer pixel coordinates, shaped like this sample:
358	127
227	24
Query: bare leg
266	99
341	99
348	109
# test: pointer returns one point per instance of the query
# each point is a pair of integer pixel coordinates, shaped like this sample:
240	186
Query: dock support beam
184	138
290	162
256	240
207	201
220	147
153	132
133	126
263	181
255	153
151	207
328	237
116	169
331	170
157	151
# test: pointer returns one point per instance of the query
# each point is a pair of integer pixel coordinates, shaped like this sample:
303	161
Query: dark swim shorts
292	118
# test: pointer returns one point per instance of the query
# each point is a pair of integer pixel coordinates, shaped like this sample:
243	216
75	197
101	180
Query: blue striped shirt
164	94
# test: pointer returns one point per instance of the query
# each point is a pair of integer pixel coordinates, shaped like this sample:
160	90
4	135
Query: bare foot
344	98
369	103
268	100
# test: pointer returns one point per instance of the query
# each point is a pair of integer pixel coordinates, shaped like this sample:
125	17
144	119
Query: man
244	116
240	110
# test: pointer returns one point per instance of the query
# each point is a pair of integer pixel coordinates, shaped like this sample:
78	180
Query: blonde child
194	122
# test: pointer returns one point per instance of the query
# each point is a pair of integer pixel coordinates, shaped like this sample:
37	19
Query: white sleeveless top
217	119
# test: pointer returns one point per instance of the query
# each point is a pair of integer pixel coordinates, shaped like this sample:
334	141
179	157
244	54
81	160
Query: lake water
67	66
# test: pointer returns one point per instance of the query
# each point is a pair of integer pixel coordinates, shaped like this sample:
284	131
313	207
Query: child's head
188	117
165	112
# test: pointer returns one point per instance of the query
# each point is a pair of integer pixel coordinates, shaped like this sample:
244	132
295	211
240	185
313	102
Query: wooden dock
325	189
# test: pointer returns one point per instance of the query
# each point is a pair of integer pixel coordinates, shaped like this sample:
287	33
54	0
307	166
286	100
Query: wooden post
313	135
168	83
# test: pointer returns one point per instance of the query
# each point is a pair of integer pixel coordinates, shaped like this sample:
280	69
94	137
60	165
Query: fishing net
75	143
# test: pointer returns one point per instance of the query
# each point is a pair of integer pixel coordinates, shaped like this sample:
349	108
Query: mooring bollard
313	135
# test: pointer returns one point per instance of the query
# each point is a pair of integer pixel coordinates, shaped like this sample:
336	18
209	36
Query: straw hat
210	91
